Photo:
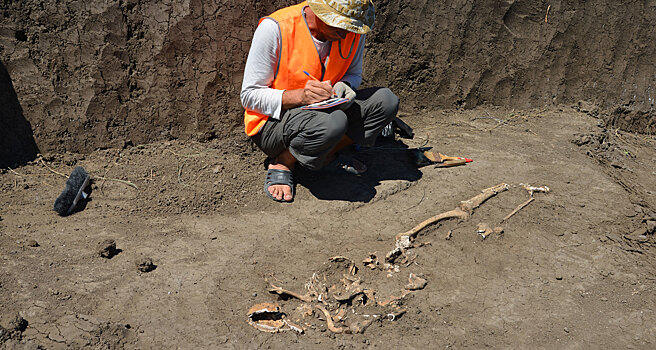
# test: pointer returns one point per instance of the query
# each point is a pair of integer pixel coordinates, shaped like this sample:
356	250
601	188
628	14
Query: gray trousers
310	135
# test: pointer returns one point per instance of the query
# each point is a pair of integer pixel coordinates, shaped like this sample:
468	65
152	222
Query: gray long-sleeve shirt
256	92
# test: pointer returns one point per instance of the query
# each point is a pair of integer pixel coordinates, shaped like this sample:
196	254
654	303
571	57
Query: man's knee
386	102
330	127
390	102
333	126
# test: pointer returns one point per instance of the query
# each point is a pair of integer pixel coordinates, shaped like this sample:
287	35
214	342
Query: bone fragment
263	308
294	327
371	261
391	268
415	282
350	293
339	315
360	327
266	317
340	258
533	189
485	230
329	320
393	299
402	244
520	207
281	291
305	310
370	293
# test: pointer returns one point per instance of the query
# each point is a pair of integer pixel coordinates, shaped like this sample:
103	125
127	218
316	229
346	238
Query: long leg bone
463	211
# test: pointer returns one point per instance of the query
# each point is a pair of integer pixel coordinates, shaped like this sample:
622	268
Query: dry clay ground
573	270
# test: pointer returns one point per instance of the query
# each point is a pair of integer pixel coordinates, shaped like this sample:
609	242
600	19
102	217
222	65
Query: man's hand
342	90
317	91
313	92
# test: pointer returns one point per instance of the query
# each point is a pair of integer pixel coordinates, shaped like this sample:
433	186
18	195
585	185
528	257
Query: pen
313	78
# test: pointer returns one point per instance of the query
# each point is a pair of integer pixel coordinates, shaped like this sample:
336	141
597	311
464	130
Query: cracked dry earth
573	269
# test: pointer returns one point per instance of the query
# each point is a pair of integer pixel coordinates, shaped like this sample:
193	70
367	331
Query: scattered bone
284	292
305	310
352	268
338	258
520	207
371	261
349	293
360	327
391	269
393	300
339	315
266	317
370	293
410	256
449	235
402	244
415	282
343	301
462	212
329	320
294	327
263	308
533	189
485	230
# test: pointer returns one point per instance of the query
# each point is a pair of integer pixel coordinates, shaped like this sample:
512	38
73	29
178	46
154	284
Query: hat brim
328	15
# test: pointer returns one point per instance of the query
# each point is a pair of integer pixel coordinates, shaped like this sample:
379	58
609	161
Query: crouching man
304	54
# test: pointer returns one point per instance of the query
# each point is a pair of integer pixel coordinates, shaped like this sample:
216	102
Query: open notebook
326	104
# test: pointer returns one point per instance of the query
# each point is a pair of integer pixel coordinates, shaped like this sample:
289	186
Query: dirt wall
17	143
105	73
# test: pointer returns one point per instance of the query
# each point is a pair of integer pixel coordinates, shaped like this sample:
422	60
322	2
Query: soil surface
197	242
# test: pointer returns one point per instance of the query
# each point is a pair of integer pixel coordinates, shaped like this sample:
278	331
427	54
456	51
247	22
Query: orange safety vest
297	54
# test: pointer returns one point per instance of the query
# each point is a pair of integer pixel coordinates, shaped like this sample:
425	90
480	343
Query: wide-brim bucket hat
356	16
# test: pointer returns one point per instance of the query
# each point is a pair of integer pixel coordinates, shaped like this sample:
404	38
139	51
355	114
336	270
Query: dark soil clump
107	249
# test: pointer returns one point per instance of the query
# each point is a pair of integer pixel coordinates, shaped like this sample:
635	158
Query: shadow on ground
17	145
388	160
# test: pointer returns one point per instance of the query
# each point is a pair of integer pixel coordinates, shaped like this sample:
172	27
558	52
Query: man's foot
279	183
